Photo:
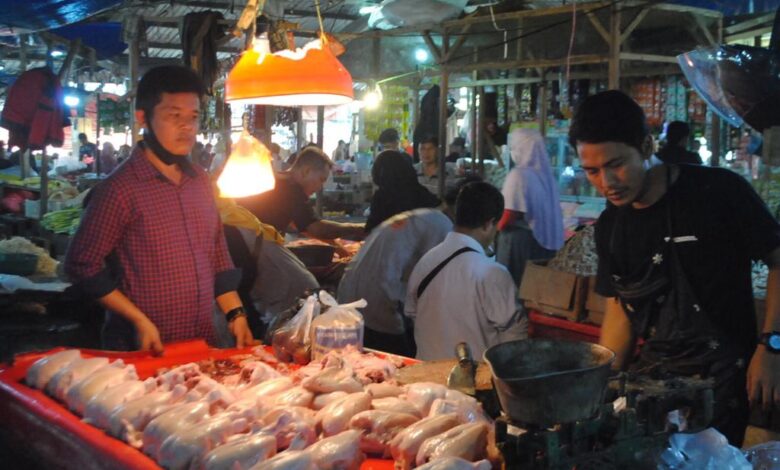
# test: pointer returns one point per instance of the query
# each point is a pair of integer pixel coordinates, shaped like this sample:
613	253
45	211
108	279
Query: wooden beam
65	67
762	20
594	75
680	9
648	57
594	20
705	30
325	15
442	131
633	24
514	15
614	48
458	43
178	47
747	34
532	64
432	46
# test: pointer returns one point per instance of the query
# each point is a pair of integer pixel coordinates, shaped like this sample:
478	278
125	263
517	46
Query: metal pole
542	103
473	113
614	48
44	201
481	131
133	58
97	135
320	143
443	91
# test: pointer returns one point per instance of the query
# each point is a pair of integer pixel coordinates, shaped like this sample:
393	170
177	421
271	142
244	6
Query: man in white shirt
456	293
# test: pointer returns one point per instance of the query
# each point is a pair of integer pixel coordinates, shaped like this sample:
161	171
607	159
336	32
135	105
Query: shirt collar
144	170
464	240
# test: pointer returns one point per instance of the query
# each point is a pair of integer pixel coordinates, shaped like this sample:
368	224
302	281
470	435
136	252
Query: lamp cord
319	19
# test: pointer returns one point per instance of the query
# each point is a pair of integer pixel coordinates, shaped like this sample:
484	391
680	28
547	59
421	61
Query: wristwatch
235	313
771	340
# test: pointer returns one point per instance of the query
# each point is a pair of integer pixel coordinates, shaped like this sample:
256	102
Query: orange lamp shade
311	76
248	169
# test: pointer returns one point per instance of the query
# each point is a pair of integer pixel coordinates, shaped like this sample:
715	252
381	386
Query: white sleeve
498	297
410	306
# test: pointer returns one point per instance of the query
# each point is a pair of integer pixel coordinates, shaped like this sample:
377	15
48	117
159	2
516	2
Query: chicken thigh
114	374
71	374
339	452
406	443
335	417
293	427
422	395
456	463
178	417
188	445
333	379
42	370
378	428
395	404
467	441
288	460
100	407
322	400
240	452
384	390
296	396
128	421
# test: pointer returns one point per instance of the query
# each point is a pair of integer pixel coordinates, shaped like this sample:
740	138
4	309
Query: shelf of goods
51	433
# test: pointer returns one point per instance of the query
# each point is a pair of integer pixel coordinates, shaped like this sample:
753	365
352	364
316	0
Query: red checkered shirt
159	243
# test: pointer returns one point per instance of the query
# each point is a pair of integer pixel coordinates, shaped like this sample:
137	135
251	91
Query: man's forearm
118	303
228	301
326	229
616	333
772	320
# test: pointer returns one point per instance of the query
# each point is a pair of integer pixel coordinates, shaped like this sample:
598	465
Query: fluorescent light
372	100
91	86
368	10
71	101
421	55
56	53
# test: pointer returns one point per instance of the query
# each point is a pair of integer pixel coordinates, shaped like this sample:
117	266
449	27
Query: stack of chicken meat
262	414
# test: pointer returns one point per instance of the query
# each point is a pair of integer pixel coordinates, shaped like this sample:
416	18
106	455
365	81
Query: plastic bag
339	326
705	450
764	456
292	342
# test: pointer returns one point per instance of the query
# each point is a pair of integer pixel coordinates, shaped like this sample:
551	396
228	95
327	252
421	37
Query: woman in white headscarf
532	225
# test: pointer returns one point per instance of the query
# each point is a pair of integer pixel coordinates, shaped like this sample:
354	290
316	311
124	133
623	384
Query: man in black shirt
675	246
674	151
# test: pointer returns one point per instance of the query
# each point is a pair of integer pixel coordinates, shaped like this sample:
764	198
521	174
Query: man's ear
648	147
140	117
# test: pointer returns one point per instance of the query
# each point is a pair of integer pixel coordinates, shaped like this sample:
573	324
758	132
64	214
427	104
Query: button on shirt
381	269
472	299
159	243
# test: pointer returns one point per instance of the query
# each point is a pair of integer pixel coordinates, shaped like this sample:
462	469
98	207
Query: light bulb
421	55
248	170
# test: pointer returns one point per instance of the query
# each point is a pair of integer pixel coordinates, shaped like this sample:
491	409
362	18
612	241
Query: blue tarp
40	15
105	38
733	7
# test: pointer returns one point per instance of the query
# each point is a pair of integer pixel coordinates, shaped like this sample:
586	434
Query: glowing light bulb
248	169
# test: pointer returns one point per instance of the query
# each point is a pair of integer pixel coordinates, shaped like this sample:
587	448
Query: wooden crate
554	292
595	304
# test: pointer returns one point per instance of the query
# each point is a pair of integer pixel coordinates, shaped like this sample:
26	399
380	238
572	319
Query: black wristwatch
235	313
771	341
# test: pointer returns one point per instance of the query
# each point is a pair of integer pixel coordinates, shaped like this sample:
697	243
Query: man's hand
763	379
240	329
148	336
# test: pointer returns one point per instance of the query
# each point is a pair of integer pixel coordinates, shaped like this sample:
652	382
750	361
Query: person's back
674	151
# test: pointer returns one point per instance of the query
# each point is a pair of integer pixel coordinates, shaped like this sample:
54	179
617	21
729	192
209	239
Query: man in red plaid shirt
150	246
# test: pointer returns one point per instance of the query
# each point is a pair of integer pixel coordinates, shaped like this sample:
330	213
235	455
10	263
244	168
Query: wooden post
481	131
614	47
542	104
473	112
97	134
443	92
300	131
320	144
133	58
44	200
715	143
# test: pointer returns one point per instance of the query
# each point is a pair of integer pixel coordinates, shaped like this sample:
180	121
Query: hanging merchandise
428	121
248	169
393	112
201	33
33	112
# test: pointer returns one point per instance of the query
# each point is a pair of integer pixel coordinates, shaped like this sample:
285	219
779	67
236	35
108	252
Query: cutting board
438	371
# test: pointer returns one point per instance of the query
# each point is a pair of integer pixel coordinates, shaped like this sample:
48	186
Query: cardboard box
595	304
555	292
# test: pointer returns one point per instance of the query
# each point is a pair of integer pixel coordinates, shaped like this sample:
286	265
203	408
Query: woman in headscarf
532	225
107	158
399	189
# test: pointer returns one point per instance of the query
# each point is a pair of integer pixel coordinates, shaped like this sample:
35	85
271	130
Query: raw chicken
467	441
240	452
68	376
467	411
288	460
339	452
128	421
333	379
293	427
249	408
178	417
178	375
395	404
456	463
100	407
335	417
296	396
82	392
384	390
422	395
39	374
406	443
202	386
189	444
257	372
268	388
320	401
378	428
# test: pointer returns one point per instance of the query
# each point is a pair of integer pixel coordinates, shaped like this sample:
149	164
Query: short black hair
609	116
165	79
459	141
430	139
676	132
82	136
389	135
451	196
477	204
312	157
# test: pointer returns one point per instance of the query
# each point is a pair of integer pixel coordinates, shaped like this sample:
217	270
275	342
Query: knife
462	375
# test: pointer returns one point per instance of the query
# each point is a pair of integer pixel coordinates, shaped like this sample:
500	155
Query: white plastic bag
292	342
705	450
338	327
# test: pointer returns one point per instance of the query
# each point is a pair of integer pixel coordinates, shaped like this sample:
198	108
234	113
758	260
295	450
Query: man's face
313	180
176	121
428	152
615	169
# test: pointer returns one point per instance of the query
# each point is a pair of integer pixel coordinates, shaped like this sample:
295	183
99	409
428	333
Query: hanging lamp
248	170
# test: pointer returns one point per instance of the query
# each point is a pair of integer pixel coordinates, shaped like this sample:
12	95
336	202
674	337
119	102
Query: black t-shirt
720	225
285	204
676	154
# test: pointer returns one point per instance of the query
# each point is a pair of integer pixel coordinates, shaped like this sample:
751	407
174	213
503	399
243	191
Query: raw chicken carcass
422	395
256	372
267	388
42	370
71	374
87	388
178	375
378	428
178	417
240	452
333	379
339	452
456	463
395	404
296	396
322	400
384	390
335	417
128	421
202	386
293	427
406	443
100	407
188	445
467	411
468	441
288	460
